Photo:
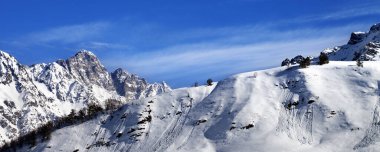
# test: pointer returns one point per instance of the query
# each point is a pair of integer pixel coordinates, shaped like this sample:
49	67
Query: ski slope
333	107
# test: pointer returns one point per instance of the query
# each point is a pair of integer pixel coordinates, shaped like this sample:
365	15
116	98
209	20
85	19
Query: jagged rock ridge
133	87
33	95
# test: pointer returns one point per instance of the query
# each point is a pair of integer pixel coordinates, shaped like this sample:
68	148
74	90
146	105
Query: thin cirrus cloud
88	34
349	13
96	45
217	58
199	53
68	34
346	13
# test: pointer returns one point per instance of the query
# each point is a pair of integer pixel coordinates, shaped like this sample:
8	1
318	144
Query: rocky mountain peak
357	37
86	67
43	92
134	87
86	57
8	67
85	52
129	85
4	54
7	58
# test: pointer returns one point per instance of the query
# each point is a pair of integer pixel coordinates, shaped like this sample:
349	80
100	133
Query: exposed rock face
362	45
86	67
32	96
133	87
128	85
23	105
297	59
357	37
8	67
370	52
285	62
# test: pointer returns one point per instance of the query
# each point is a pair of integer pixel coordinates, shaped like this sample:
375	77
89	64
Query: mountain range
331	107
34	95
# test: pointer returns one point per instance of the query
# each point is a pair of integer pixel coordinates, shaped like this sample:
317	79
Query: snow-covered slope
364	46
31	96
333	107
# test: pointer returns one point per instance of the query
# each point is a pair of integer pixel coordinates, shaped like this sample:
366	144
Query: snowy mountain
333	107
361	45
31	96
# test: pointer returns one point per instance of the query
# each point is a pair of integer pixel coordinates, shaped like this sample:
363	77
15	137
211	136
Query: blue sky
180	41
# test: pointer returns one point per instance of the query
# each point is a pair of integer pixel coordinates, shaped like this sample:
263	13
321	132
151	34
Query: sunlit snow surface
334	107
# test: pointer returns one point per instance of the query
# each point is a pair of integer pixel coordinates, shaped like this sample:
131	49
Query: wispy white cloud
224	56
103	45
205	52
68	34
341	13
352	13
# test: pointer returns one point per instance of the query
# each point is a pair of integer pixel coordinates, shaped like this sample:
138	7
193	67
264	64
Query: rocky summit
31	96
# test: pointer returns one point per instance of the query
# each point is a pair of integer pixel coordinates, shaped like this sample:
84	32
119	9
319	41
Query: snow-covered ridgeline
33	95
280	109
363	46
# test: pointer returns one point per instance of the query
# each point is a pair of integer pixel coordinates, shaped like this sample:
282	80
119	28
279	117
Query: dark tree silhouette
359	63
44	131
209	82
305	62
323	58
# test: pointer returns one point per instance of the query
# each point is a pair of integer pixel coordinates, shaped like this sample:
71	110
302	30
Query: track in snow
175	127
373	133
296	121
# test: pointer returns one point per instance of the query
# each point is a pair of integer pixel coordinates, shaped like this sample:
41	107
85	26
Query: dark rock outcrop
357	37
